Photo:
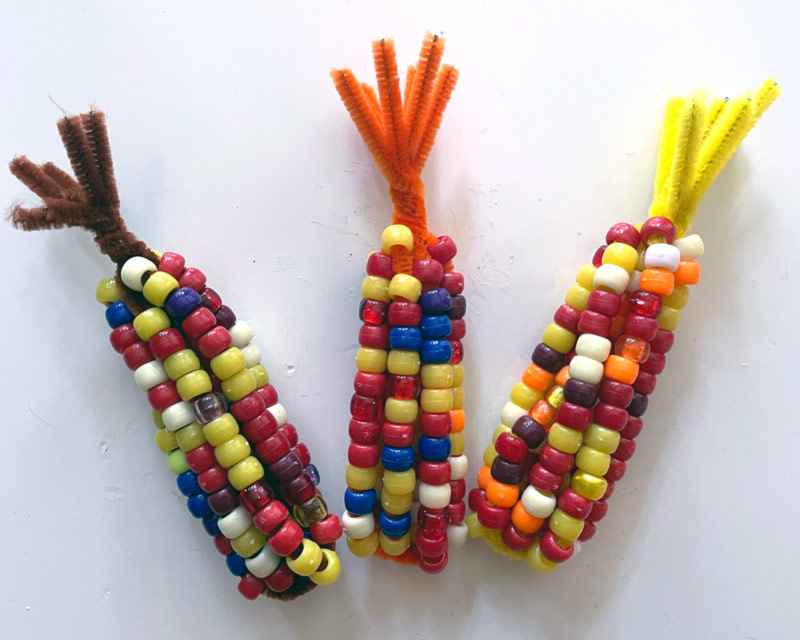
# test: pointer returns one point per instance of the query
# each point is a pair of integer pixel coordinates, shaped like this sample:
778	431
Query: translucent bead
310	512
107	291
405	287
622	255
208	407
158	288
633	349
375	288
135	270
403	387
149	322
543	412
397	235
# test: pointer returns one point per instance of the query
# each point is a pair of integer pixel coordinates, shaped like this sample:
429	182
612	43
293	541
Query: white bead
134	270
458	467
633	285
264	563
241	334
456	535
278	412
149	375
510	414
611	276
235	523
177	416
691	247
252	355
358	527
536	503
662	255
586	369
592	346
434	496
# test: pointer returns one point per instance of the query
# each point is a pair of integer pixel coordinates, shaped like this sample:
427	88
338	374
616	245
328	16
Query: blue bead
117	314
210	525
181	303
435	301
435	327
397	458
405	338
436	351
433	449
314	473
236	564
198	505
187	484
394	527
360	502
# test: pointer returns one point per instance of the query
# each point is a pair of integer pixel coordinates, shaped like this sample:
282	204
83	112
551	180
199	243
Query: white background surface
232	148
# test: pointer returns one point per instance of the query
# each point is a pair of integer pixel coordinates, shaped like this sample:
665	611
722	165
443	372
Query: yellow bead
309	559
585	276
621	254
489	454
578	297
249	543
537	561
107	291
436	376
375	288
558	338
458	375
228	363
398	482
500	429
149	322
371	360
565	526
436	400
234	450
245	473
458	397
524	396
238	386
158	287
190	437
589	486
592	461
397	235
402	363
669	318
194	384
394	546
564	439
678	298
474	528
361	478
364	547
396	504
176	461
261	375
457	443
221	429
330	572
165	440
405	286
180	363
402	411
555	395
157	419
601	438
640	264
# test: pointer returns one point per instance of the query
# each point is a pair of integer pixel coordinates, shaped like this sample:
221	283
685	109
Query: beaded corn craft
237	459
568	431
408	386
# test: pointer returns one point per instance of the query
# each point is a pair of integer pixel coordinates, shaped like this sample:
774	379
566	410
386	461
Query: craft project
408	386
227	438
569	428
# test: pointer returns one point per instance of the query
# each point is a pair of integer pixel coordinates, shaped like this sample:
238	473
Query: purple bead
435	301
208	407
530	431
225	316
181	303
506	471
298	490
458	307
638	405
547	358
287	468
580	393
223	501
313	473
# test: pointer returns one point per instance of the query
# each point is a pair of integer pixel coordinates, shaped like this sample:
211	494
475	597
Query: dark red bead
223	545
515	539
567	317
597	258
281	579
271	516
475	497
625	449
638	405
286	539
163	395
398	435
458	329
640	327
430	546
380	264
434	472
213	478
364	431
556	461
273	448
432	521
574	504
172	263
553	551
547	358
443	250
435	425
616	470
644	303
289	467
328	531
506	471
210	299
268	394
654	364
403	387
214	342
511	447
363	455
632	428
247	408
453	281
372	312
645	383
458	489
137	354
616	393
573	416
596	323
223	501
260	428
599	511
458	307
303	453
166	342
198	322
404	314
192	278
545	480
491	516
374	336
201	458
458	351
427	270
527	464
123	337
660	225
256	496
609	416
298	490
606	303
589	529
625	233
456	511
250	586
529	430
580	392
663	341
225	317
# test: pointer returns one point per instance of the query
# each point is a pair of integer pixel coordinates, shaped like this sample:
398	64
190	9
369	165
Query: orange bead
484	475
562	376
688	272
537	378
621	369
458	419
501	494
658	281
543	412
524	521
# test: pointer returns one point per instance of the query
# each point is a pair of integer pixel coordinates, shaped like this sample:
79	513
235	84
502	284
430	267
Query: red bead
609	416
270	517
223	545
458	351
172	263
443	250
397	434
280	580
453	281
167	342
458	329
434	472
435	425
596	323
404	314
433	566
374	336
260	428
475	497
658	224
645	382
287	538
198	322
214	342
663	341
654	364
556	461
616	470
589	529
427	270
573	416
364	455
380	264
625	233
268	394
256	496
365	431
250	586
545	480
201	458
192	278
273	448
363	408
432	521
458	489
123	337
599	511
606	303
213	478
163	395
640	327
302	452
644	303
609	490
247	408
210	299
632	428
403	387
616	393
372	385
491	516
552	550
137	354
625	449
574	504
456	511
511	447
298	490
597	258
372	312
515	539
430	546
328	531
567	317
291	433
